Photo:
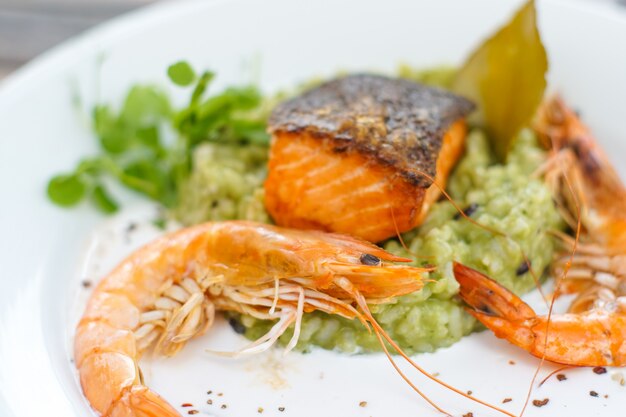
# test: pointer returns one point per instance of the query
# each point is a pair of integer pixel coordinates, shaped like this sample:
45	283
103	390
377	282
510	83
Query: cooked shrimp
586	187
596	337
168	292
592	199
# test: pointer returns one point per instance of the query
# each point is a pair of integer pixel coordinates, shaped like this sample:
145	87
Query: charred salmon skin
350	155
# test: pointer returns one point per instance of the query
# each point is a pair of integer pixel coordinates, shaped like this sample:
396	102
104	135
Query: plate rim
17	82
101	36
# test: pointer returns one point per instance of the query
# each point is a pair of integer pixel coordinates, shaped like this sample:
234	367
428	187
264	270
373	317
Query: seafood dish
392	213
169	291
591	265
382	143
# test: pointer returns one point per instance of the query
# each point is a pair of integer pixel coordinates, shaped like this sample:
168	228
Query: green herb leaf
66	190
145	105
137	124
135	154
149	137
250	130
160	223
181	73
203	83
102	200
112	135
505	76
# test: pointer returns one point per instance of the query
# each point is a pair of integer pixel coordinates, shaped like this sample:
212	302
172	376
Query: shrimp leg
168	292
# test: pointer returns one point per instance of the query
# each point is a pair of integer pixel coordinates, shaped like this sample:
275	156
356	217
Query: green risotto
227	184
215	166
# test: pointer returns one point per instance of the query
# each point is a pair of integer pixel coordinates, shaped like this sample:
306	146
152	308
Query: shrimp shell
168	292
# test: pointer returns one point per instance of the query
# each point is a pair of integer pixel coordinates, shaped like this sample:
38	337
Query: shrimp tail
501	311
140	401
595	338
494	306
487	297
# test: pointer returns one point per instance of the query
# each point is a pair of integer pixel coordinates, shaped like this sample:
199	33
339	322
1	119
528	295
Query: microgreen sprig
133	147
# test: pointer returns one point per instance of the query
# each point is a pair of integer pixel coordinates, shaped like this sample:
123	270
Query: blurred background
29	27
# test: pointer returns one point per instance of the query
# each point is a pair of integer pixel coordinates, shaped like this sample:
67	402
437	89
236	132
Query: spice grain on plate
599	370
541	403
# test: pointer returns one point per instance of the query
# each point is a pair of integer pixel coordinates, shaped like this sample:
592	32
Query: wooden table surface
29	27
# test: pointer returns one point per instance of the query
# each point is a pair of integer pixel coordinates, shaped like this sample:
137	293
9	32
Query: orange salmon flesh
311	185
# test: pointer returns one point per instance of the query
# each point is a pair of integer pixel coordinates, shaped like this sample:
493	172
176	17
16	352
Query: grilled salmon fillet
350	155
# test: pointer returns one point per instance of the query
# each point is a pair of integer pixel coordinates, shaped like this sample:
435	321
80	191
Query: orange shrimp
592	199
168	292
596	337
585	186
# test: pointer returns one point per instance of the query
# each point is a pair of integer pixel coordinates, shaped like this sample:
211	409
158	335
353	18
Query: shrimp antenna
562	368
488	229
381	333
401	239
406	379
458	208
560	279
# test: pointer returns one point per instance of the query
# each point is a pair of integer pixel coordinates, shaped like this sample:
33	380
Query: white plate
42	131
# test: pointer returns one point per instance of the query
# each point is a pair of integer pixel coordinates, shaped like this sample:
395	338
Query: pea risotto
227	184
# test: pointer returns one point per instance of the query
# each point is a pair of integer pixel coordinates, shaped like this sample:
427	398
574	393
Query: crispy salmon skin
350	155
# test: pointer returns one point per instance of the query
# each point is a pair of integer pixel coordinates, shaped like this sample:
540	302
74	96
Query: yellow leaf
505	77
